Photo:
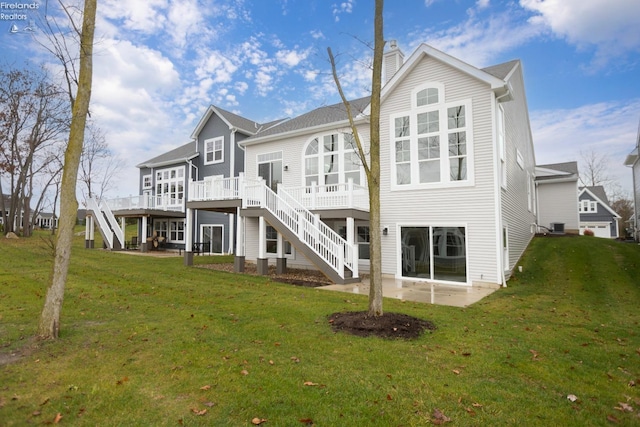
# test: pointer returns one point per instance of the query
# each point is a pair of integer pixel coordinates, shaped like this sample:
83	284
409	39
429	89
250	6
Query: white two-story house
457	191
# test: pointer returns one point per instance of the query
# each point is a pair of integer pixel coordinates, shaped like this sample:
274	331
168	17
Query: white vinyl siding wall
563	197
518	204
293	157
473	205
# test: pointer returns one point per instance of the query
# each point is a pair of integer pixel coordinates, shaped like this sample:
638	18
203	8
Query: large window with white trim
214	150
270	168
434	253
170	187
332	159
431	143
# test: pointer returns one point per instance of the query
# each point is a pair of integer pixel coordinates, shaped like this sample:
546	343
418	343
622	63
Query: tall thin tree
372	166
49	326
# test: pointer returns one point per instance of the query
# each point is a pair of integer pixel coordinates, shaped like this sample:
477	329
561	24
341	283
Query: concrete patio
456	296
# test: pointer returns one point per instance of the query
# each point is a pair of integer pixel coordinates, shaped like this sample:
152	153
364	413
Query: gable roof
183	153
330	115
557	172
599	194
232	120
493	76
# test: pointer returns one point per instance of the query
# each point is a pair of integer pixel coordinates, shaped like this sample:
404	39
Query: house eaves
632	158
498	85
233	121
318	120
599	199
181	154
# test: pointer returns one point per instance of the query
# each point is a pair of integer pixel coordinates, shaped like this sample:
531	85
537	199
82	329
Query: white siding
563	196
518	209
472	206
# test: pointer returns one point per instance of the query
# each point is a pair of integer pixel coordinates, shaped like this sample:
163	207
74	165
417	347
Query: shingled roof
320	116
501	71
182	153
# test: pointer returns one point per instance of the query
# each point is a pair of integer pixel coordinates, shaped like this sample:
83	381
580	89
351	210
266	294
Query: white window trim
444	159
399	227
292	255
320	156
147	181
184	230
213	141
221	227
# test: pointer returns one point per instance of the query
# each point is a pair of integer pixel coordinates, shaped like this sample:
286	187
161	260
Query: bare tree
49	326
33	116
372	166
593	169
98	164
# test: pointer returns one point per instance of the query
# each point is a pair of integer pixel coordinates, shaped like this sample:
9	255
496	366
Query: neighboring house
457	179
41	220
596	214
46	220
633	161
557	193
161	206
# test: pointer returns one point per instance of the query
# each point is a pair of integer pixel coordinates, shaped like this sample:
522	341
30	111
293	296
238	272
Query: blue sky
160	63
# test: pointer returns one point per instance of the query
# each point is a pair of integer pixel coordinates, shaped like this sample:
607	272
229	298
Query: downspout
499	188
232	174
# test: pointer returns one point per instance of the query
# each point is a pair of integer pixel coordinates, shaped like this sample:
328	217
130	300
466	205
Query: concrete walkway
457	296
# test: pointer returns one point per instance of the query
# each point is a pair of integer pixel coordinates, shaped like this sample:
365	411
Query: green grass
147	341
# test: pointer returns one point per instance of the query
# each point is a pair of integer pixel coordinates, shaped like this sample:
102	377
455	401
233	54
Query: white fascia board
426	50
598	200
314	129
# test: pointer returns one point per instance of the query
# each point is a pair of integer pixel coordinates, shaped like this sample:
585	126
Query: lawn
148	341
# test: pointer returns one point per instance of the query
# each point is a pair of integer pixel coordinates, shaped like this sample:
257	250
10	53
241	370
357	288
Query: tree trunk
375	287
49	326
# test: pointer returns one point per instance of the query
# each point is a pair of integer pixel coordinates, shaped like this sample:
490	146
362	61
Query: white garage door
600	229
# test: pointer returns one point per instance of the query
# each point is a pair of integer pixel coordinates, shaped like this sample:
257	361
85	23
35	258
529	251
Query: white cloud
342	7
143	16
291	58
609	25
482	4
317	34
480	41
606	128
216	65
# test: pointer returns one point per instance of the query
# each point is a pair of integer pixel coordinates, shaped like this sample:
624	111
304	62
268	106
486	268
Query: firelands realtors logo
19	15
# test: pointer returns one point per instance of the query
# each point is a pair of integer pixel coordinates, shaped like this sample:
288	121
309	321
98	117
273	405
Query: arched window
332	159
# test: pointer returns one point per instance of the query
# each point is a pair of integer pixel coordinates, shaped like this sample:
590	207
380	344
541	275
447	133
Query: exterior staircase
332	254
108	226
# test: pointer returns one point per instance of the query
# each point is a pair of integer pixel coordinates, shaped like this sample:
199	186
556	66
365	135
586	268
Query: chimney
392	61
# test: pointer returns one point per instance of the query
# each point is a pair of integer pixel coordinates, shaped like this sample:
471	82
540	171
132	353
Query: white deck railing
219	189
163	203
106	221
334	196
312	232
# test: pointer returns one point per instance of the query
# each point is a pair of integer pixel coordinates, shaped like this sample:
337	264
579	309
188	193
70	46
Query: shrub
588	232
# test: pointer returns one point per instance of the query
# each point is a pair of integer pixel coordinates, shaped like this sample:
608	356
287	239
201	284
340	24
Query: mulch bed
293	276
389	325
